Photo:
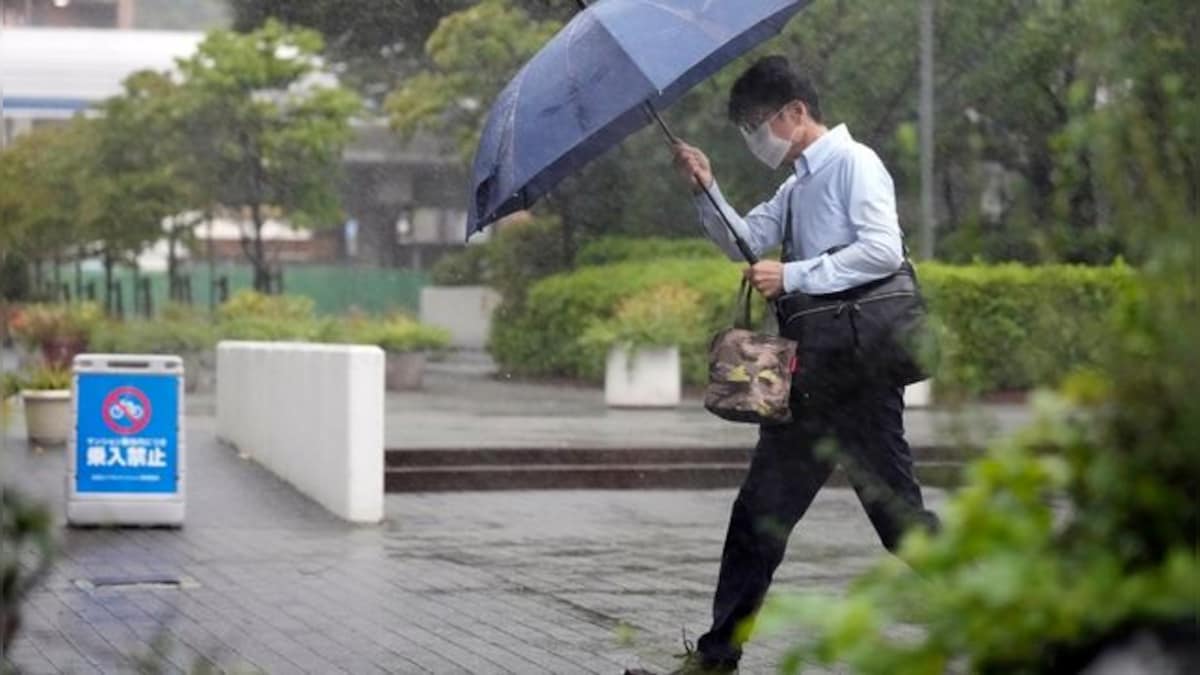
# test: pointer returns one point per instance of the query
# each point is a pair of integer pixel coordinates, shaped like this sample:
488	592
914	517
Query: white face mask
765	145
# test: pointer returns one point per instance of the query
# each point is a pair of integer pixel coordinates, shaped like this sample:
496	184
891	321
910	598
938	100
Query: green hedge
253	316
610	250
543	337
1016	327
1001	327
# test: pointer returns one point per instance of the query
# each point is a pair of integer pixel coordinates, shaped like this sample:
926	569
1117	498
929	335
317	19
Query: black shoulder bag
870	334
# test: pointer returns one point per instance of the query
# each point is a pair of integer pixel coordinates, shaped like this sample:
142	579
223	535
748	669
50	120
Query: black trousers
864	432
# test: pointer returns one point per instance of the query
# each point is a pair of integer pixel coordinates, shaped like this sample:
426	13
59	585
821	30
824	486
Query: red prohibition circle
123	415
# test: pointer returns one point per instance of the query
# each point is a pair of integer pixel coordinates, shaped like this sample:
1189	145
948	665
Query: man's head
775	107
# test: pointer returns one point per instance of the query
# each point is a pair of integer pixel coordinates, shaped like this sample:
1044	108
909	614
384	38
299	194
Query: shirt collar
821	150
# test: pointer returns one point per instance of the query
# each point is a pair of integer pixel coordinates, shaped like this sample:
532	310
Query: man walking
836	213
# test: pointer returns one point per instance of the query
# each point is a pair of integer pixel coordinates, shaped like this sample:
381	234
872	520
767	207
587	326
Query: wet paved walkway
514	582
508	582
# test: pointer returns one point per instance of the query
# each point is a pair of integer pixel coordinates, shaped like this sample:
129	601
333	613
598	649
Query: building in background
68	13
59	58
49	74
122	14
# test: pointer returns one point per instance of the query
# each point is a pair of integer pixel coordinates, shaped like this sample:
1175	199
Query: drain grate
149	583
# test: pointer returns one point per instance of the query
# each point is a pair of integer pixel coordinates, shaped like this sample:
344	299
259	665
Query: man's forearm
859	263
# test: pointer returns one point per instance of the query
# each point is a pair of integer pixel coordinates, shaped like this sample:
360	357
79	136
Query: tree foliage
377	45
1009	76
251	125
266	129
472	55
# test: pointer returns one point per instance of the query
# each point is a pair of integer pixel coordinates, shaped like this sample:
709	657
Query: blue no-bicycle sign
127	434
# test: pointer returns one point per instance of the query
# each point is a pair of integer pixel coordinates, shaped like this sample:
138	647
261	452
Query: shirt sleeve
877	249
761	228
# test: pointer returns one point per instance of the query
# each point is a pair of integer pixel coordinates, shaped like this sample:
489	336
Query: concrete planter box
464	311
47	415
404	370
643	378
919	394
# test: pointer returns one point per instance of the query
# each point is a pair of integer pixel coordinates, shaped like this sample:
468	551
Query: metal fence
334	288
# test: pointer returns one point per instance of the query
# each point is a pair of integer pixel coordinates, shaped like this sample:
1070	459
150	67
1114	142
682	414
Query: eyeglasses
752	124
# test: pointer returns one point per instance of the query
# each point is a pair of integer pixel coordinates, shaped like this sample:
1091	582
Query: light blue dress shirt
841	195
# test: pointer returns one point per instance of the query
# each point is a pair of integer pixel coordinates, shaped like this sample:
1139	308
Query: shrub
10	385
267	329
163	336
661	316
544	338
37	324
247	304
520	254
27	549
1015	327
253	316
400	334
1002	327
42	378
467	267
610	250
666	315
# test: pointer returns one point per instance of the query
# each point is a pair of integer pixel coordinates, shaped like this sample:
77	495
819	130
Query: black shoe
693	664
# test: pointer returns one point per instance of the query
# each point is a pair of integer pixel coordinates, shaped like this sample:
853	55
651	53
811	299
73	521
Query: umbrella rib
709	28
508	147
574	86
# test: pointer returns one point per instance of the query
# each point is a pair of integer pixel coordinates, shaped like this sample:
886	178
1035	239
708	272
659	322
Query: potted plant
46	395
406	344
643	339
176	331
58	331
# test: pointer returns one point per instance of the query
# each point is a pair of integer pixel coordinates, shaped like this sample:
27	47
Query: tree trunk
953	213
38	280
57	274
79	274
134	271
212	266
1040	174
259	259
172	266
560	203
108	282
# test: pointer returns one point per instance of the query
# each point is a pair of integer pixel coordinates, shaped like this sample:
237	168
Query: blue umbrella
600	79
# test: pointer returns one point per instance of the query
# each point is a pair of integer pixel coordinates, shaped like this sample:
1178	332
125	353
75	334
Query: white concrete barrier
312	414
465	311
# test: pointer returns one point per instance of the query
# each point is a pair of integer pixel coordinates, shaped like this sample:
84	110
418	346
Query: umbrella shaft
672	139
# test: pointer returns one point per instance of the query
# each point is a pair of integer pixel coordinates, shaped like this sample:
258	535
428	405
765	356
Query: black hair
770	84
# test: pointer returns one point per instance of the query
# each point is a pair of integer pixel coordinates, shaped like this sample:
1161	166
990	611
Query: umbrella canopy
588	88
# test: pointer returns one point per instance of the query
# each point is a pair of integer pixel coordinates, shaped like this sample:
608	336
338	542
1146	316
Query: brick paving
511	582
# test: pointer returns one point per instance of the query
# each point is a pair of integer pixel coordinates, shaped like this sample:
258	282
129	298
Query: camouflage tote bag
750	373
